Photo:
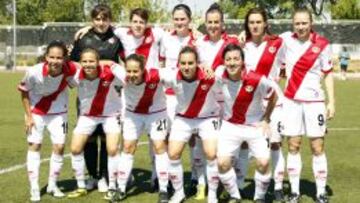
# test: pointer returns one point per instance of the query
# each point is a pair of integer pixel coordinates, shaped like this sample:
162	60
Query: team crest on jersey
272	49
111	40
315	50
148	40
106	83
204	87
249	88
152	86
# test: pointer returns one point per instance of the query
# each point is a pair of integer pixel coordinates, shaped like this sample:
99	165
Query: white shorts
232	136
301	118
56	125
276	124
87	124
183	128
135	124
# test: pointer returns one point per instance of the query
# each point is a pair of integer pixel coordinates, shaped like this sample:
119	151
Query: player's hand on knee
266	130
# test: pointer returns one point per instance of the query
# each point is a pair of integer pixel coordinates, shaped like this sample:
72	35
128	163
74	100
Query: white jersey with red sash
147	97
264	58
306	62
48	95
243	98
148	45
196	99
210	52
99	97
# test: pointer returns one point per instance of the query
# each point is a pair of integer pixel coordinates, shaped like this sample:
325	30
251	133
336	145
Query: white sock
78	165
113	163
212	178
162	166
241	167
262	182
199	161
176	176
33	166
125	166
56	162
319	164
278	165
229	181
294	166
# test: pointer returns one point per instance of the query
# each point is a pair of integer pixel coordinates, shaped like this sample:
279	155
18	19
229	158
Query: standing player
244	119
263	55
99	104
44	94
102	38
308	60
197	109
145	111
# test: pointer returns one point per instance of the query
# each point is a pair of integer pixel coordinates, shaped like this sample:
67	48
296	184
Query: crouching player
244	120
197	109
145	111
99	104
44	94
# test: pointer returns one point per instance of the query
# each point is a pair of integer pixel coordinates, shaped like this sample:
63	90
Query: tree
5	11
346	9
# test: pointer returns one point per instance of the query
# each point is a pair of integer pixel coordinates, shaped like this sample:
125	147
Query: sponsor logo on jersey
152	85
148	40
315	50
106	83
249	88
111	40
272	49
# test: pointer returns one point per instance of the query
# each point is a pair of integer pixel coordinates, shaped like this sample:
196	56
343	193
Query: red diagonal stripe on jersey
199	98
98	103
152	80
44	104
244	97
304	64
218	58
268	56
145	46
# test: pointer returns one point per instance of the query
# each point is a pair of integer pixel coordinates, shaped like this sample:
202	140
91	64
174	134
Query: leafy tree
5	11
346	9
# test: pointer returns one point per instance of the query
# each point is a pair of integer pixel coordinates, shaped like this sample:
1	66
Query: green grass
342	150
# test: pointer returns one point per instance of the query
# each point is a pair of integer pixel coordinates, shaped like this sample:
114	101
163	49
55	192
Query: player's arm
329	86
80	33
29	122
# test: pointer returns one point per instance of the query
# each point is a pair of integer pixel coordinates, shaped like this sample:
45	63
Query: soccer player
264	55
244	119
197	109
145	111
308	61
171	44
99	104
44	94
102	38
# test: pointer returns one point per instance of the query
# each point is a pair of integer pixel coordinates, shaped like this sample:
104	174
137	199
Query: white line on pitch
20	166
344	129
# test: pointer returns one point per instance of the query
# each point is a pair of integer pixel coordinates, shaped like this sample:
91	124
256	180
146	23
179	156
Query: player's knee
211	155
174	155
224	165
112	150
159	147
129	148
75	149
317	150
262	165
34	147
294	146
58	149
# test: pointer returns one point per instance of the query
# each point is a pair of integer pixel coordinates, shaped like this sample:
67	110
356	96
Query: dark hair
58	44
90	50
189	49
233	47
184	8
260	11
143	13
303	10
103	10
138	58
213	9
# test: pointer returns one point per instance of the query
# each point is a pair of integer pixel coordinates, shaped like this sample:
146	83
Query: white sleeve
325	60
162	48
167	76
120	32
28	81
158	33
119	73
268	86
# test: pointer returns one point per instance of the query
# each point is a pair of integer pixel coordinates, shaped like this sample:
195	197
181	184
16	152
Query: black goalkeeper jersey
107	44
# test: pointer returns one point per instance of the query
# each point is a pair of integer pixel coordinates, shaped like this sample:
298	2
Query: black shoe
234	200
322	199
163	197
154	186
259	201
119	195
293	198
279	196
